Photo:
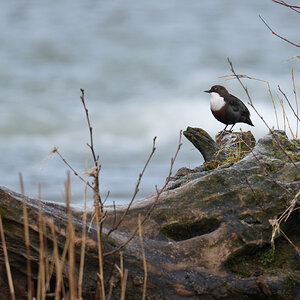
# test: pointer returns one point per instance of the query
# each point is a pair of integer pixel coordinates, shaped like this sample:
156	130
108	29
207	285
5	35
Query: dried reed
144	258
41	290
71	251
27	240
7	265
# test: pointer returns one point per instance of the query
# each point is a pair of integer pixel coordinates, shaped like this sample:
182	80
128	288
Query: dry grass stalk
289	103
123	274
100	216
229	77
285	215
285	117
144	258
100	256
7	265
41	290
82	253
111	286
98	205
58	267
71	248
27	240
260	116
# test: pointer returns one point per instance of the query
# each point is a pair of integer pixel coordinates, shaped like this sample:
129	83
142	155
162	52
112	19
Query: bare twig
116	225
72	169
228	77
7	266
98	204
289	240
261	117
283	217
289	103
157	197
258	201
296	100
293	7
91	145
281	37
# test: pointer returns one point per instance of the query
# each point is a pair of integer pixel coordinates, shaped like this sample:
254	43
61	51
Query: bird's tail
248	121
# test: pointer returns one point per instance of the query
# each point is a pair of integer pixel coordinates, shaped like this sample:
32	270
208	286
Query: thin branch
157	197
116	226
72	169
228	77
289	103
296	100
281	37
287	238
293	7
91	146
261	117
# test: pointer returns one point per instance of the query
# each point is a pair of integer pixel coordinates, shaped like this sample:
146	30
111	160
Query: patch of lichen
253	261
295	156
3	211
282	147
212	164
273	164
297	178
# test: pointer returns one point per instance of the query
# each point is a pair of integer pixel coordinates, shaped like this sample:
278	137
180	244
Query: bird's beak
207	91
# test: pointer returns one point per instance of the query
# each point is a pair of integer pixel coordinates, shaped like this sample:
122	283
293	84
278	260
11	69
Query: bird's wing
236	103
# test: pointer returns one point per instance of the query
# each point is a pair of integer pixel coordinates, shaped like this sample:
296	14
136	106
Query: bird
227	108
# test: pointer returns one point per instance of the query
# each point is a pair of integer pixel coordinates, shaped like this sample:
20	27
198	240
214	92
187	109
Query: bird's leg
231	128
225	128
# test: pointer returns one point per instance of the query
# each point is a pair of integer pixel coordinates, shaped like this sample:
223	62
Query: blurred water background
144	66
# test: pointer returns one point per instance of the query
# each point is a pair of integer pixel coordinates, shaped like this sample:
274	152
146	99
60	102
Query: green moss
212	164
253	260
3	211
291	147
266	257
295	156
297	178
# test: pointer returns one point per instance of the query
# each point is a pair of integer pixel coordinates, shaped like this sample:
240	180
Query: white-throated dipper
227	108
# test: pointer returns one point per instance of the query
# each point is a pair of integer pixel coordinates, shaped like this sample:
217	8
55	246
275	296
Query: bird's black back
239	108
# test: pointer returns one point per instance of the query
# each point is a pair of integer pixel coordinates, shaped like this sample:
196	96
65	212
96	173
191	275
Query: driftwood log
208	237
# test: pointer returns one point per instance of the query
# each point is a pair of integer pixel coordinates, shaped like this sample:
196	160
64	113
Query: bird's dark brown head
218	89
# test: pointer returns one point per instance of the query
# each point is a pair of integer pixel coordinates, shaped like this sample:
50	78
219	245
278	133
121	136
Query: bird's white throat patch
216	101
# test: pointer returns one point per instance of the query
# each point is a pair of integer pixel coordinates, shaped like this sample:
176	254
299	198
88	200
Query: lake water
144	66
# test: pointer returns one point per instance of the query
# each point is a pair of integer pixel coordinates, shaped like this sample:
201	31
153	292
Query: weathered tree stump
208	237
227	143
